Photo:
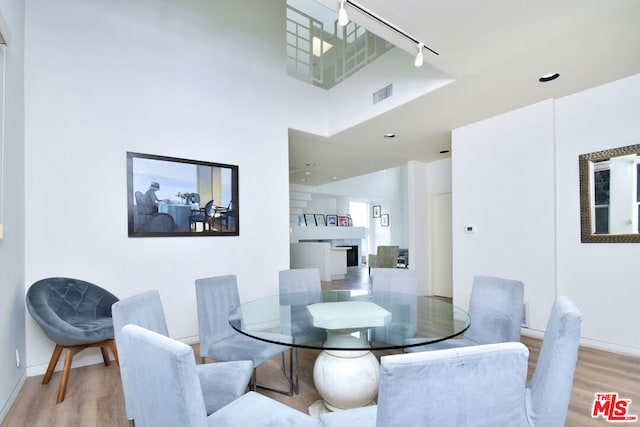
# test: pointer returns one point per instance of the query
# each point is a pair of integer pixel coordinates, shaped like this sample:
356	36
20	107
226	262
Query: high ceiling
495	50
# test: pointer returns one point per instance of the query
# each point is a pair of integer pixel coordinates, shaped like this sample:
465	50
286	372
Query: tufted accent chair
75	315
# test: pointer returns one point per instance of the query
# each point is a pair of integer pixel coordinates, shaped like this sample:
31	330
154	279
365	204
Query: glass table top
349	320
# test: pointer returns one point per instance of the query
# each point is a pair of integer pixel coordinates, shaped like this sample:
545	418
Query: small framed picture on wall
343	221
310	219
384	220
332	220
320	220
376	211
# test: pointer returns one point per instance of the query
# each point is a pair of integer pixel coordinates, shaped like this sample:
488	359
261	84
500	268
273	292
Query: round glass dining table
347	325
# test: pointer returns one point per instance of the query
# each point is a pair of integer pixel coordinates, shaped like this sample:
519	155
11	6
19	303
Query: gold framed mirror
610	195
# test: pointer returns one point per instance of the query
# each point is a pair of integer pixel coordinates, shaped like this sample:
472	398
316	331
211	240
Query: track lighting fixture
343	19
419	56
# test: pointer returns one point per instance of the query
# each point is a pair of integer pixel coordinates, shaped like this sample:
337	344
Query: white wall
503	182
516	177
12	306
197	80
602	278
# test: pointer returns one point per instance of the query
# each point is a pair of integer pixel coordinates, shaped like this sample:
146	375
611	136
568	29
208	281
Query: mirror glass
610	195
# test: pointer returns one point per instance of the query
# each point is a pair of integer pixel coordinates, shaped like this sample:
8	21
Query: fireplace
352	255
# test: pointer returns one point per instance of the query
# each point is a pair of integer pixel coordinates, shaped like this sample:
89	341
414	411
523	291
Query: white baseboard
80	360
589	343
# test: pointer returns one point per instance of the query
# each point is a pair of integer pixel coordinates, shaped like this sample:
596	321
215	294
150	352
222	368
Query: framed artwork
349	221
301	221
332	220
343	221
168	196
320	220
310	219
376	211
384	220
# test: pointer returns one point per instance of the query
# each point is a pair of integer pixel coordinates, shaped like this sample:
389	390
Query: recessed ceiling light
303	180
548	77
307	173
389	135
444	151
334	178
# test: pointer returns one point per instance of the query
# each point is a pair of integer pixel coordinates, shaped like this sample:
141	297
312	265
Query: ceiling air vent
383	93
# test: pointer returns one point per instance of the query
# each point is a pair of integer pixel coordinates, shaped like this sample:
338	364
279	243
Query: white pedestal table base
345	379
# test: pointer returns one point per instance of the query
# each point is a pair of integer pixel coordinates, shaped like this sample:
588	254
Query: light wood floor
94	396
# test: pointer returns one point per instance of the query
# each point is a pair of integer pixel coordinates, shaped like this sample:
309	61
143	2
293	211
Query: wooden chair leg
71	351
52	363
105	356
114	350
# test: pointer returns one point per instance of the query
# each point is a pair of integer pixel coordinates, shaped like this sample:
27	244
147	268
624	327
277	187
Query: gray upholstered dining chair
495	310
221	382
165	382
395	289
297	288
75	315
216	297
481	385
550	387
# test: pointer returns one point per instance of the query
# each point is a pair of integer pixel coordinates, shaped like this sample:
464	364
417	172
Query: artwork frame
343	221
384	220
167	197
590	165
301	221
376	211
310	220
332	220
320	220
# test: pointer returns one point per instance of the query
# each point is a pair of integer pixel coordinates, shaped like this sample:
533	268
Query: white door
441	247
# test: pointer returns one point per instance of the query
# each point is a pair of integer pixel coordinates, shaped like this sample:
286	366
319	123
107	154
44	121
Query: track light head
343	19
419	56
